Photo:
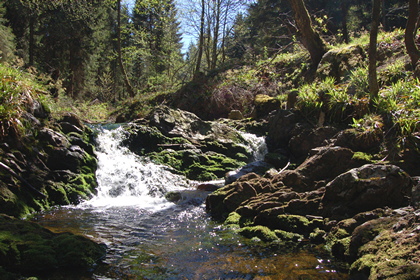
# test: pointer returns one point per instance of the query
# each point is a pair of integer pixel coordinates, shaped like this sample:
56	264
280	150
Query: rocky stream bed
315	187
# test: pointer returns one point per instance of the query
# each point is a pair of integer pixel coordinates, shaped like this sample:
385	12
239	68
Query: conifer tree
157	41
7	45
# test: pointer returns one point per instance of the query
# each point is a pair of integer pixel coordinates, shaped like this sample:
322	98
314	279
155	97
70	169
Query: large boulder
53	165
301	144
282	127
324	165
365	188
386	247
201	150
29	249
339	62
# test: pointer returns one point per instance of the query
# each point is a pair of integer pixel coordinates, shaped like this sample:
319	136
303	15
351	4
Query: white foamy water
256	145
125	179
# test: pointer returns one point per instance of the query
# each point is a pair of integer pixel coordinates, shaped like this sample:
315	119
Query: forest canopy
112	50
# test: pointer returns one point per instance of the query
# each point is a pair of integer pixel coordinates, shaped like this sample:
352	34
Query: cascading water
126	179
151	238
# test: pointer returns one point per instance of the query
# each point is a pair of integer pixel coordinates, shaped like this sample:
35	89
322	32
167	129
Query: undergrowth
17	92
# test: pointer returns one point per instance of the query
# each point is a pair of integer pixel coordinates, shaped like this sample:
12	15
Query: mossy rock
294	223
264	104
261	232
317	236
28	248
233	219
196	165
288	236
173	196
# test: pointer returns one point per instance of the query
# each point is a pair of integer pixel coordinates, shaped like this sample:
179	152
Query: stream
150	238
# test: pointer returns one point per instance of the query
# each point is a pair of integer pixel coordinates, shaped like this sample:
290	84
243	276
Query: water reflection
181	242
151	238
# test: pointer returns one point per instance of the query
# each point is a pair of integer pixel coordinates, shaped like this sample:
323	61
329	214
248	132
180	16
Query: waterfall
125	179
151	238
256	145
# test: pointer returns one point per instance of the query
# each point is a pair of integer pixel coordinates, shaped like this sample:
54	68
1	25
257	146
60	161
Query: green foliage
358	81
401	101
7	44
308	101
262	232
17	91
394	72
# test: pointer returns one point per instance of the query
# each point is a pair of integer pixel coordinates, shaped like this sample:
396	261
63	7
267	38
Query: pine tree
7	45
157	41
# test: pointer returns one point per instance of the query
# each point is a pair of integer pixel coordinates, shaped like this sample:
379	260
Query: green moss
293	223
77	251
262	232
57	193
233	219
317	236
363	265
362	156
27	247
81	186
340	247
288	236
196	166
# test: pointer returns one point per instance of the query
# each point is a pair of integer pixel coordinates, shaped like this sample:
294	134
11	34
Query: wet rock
208	187
68	128
258	167
279	158
29	249
366	188
173	196
71	158
53	138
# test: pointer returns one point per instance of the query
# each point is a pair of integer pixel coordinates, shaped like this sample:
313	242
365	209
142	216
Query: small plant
368	123
394	72
369	128
308	101
359	81
17	90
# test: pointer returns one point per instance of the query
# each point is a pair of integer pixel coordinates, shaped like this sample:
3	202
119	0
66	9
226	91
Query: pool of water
150	238
182	242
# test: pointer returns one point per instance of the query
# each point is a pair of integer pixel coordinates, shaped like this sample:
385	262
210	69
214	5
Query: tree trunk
373	80
308	36
344	14
410	33
201	41
119	51
215	35
31	40
384	22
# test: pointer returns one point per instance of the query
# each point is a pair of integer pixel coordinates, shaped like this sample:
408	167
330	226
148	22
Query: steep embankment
43	162
361	210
